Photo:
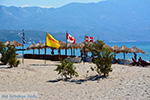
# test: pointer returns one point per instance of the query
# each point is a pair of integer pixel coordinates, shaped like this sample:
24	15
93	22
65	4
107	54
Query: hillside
111	20
30	35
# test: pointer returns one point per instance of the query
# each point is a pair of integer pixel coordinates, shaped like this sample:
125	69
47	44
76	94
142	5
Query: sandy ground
124	83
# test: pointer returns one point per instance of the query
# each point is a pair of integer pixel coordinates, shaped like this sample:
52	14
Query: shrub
9	55
13	62
3	59
104	58
66	69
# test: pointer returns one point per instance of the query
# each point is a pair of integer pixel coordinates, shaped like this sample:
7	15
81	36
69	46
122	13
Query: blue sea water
145	46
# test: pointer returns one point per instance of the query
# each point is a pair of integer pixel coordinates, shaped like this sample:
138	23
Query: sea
145	46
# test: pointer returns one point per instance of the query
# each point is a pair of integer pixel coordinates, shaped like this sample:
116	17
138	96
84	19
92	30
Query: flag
89	39
70	39
23	37
51	42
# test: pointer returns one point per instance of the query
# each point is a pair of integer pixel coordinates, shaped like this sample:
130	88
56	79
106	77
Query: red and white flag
89	39
70	38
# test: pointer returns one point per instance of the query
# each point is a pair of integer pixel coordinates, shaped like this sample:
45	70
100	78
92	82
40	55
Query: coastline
125	82
142	45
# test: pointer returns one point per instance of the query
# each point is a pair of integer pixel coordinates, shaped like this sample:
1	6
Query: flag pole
23	40
45	50
84	50
66	45
84	44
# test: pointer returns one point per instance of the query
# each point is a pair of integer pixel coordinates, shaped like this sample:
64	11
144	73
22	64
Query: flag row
51	42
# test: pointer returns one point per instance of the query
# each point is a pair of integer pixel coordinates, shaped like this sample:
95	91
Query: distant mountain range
31	36
110	20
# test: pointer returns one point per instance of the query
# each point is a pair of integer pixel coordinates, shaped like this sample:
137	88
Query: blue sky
42	3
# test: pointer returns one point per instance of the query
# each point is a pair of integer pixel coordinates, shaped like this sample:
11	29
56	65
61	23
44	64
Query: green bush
3	59
9	55
3	51
66	69
104	58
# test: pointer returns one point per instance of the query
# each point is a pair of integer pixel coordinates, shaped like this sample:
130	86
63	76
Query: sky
42	3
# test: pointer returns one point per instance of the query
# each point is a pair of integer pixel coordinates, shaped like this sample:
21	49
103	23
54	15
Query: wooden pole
39	51
71	51
74	51
124	55
59	51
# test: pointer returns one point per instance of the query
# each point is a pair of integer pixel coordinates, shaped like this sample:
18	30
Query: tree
66	69
3	52
11	55
2	47
8	55
104	57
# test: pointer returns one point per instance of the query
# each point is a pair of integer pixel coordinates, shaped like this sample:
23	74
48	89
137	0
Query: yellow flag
51	42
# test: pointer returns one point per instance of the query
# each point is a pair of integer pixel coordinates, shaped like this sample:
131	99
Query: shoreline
125	82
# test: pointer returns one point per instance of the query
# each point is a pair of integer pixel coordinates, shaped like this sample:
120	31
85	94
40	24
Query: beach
124	83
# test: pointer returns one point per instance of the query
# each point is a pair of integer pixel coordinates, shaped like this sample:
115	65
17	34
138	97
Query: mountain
34	36
111	20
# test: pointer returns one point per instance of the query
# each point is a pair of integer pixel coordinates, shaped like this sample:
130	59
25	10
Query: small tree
3	50
2	47
66	69
9	55
104	58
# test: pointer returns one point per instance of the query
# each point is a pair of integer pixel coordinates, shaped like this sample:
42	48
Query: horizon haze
43	4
